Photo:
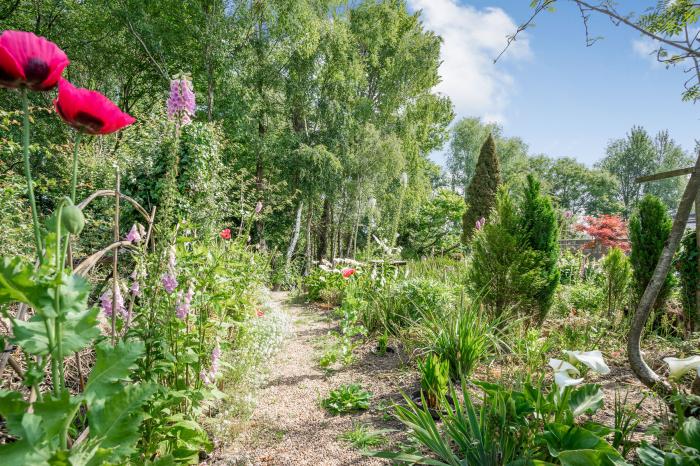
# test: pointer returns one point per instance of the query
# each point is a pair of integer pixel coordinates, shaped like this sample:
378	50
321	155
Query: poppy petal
10	71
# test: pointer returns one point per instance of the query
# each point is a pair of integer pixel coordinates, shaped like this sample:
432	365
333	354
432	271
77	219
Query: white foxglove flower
679	367
592	359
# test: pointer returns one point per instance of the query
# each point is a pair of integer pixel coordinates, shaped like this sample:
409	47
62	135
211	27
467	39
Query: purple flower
181	103
568	214
210	377
135	288
480	223
134	236
183	303
258	207
169	282
109	306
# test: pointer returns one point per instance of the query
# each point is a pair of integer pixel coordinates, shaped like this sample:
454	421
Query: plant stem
28	173
58	326
74	179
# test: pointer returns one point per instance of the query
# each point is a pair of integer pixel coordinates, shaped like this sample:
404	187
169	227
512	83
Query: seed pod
72	219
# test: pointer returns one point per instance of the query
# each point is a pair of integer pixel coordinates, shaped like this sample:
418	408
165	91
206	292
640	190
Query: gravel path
288	426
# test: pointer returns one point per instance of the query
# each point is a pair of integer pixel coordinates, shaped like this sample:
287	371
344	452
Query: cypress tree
650	226
481	193
539	225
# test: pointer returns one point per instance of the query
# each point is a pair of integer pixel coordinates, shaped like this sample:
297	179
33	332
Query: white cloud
646	48
472	38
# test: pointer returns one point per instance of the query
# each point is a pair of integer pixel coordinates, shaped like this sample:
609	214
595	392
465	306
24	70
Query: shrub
541	232
346	399
687	266
503	271
606	230
618	275
649	229
483	188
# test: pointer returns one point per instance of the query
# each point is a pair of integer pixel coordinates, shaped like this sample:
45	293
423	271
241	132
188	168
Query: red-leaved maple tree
606	230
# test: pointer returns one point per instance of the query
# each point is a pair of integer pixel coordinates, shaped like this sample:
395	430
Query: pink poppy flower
89	111
27	60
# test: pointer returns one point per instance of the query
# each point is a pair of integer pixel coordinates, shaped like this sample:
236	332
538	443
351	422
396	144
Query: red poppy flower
347	272
89	111
225	233
259	313
27	60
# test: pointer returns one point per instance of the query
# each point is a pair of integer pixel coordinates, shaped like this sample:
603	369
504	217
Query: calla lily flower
564	374
592	359
679	367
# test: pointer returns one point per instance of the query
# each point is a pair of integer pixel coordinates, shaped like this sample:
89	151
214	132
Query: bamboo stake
115	260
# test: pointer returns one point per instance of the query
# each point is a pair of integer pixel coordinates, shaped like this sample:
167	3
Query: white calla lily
562	366
679	367
592	359
562	379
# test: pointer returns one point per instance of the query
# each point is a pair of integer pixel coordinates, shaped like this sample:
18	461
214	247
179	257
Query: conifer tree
481	194
649	228
540	228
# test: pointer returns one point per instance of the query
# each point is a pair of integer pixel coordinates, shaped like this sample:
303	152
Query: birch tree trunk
295	238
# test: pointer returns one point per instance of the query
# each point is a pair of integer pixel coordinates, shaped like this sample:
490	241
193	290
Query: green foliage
528	426
504	271
649	228
618	276
463	337
346	399
435	376
362	436
685	449
686	263
539	224
436	226
481	194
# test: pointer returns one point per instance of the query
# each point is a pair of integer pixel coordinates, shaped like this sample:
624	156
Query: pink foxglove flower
181	103
109	305
135	289
134	235
210	377
169	282
183	303
480	223
258	207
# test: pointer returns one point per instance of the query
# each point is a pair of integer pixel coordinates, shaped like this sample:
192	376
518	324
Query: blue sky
561	97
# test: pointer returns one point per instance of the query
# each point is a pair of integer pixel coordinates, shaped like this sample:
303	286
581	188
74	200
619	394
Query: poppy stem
74	179
28	173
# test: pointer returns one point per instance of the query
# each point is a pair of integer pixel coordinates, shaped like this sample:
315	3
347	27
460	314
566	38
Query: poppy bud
73	219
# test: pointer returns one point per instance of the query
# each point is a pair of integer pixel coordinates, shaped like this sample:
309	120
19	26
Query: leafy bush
686	263
618	276
685	449
346	399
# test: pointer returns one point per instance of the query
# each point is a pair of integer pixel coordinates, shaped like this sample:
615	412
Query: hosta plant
346	399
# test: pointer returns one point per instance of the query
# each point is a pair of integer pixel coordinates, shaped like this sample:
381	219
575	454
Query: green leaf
650	455
12	408
112	364
586	399
53	411
689	435
116	420
78	330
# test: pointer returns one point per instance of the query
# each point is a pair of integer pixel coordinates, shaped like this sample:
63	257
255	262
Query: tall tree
481	194
629	159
